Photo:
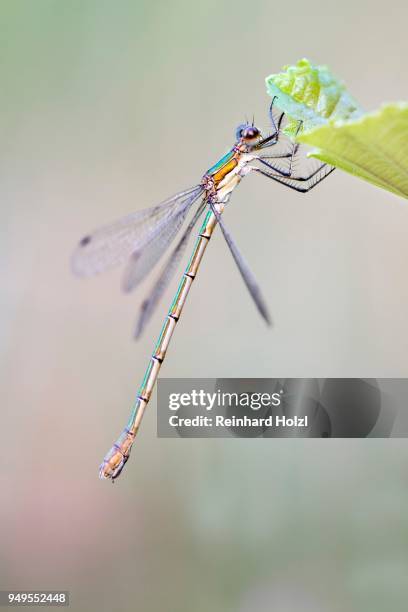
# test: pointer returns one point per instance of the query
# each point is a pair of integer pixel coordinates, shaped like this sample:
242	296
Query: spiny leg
281	171
275	124
286	172
302	184
290	155
295	146
273	138
276	156
287	177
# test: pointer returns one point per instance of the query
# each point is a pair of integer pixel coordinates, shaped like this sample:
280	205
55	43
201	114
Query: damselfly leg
302	184
285	172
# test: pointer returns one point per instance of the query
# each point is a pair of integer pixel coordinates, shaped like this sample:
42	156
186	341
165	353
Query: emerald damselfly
140	239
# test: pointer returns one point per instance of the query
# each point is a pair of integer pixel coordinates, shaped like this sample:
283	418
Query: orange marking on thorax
226	169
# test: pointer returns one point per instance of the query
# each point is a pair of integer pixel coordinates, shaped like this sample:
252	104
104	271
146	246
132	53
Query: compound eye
250	133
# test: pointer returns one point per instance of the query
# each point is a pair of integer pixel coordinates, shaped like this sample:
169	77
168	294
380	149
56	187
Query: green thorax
221	162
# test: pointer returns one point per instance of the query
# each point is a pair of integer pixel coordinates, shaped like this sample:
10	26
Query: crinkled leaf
311	94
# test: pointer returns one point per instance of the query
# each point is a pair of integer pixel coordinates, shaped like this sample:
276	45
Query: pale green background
107	107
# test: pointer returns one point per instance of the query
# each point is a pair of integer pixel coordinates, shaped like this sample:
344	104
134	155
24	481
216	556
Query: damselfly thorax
222	178
140	239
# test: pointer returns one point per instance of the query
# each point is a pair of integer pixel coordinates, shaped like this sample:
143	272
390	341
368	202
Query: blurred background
109	107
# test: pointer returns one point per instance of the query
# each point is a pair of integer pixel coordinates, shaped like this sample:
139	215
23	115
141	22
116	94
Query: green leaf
372	146
311	94
375	147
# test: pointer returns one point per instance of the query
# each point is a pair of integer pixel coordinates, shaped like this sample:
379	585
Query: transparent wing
146	255
243	267
113	244
148	306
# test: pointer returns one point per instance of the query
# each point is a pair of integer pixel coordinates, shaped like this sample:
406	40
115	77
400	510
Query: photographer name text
234	421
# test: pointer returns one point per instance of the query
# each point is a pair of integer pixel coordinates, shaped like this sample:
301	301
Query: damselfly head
247	132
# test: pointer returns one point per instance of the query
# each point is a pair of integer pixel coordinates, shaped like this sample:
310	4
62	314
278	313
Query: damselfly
142	237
